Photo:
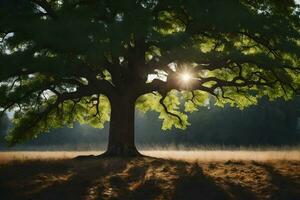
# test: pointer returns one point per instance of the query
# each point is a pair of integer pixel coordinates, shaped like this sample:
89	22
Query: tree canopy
66	60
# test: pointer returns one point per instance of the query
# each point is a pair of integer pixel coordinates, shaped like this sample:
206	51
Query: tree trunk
121	131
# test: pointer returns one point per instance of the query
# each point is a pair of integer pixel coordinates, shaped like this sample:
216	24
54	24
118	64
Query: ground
255	177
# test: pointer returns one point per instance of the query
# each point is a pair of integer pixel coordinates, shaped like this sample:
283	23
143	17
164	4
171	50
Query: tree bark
121	132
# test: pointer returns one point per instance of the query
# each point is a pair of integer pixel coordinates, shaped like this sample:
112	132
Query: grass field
188	175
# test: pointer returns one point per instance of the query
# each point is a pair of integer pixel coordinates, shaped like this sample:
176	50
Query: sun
186	77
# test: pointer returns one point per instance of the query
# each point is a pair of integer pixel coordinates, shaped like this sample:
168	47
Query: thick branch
161	101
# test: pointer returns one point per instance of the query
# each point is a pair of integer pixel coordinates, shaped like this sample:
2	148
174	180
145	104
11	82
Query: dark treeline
268	123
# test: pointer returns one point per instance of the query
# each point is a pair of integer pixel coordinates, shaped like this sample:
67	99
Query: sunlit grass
221	155
191	155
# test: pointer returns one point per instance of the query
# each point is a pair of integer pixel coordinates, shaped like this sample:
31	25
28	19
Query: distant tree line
269	123
4	124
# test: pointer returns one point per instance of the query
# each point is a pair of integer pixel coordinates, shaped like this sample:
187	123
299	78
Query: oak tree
92	61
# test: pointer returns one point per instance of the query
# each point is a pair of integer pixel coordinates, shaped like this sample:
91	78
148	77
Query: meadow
162	174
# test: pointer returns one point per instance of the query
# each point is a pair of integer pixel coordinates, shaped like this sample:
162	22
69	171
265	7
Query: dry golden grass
45	155
178	175
223	155
186	155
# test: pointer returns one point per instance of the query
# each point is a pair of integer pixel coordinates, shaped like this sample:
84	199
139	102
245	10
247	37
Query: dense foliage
63	61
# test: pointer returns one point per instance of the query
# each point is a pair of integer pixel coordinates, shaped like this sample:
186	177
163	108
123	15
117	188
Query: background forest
273	123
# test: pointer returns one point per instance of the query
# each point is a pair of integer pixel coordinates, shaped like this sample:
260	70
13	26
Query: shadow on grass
193	184
283	187
138	178
239	192
113	178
